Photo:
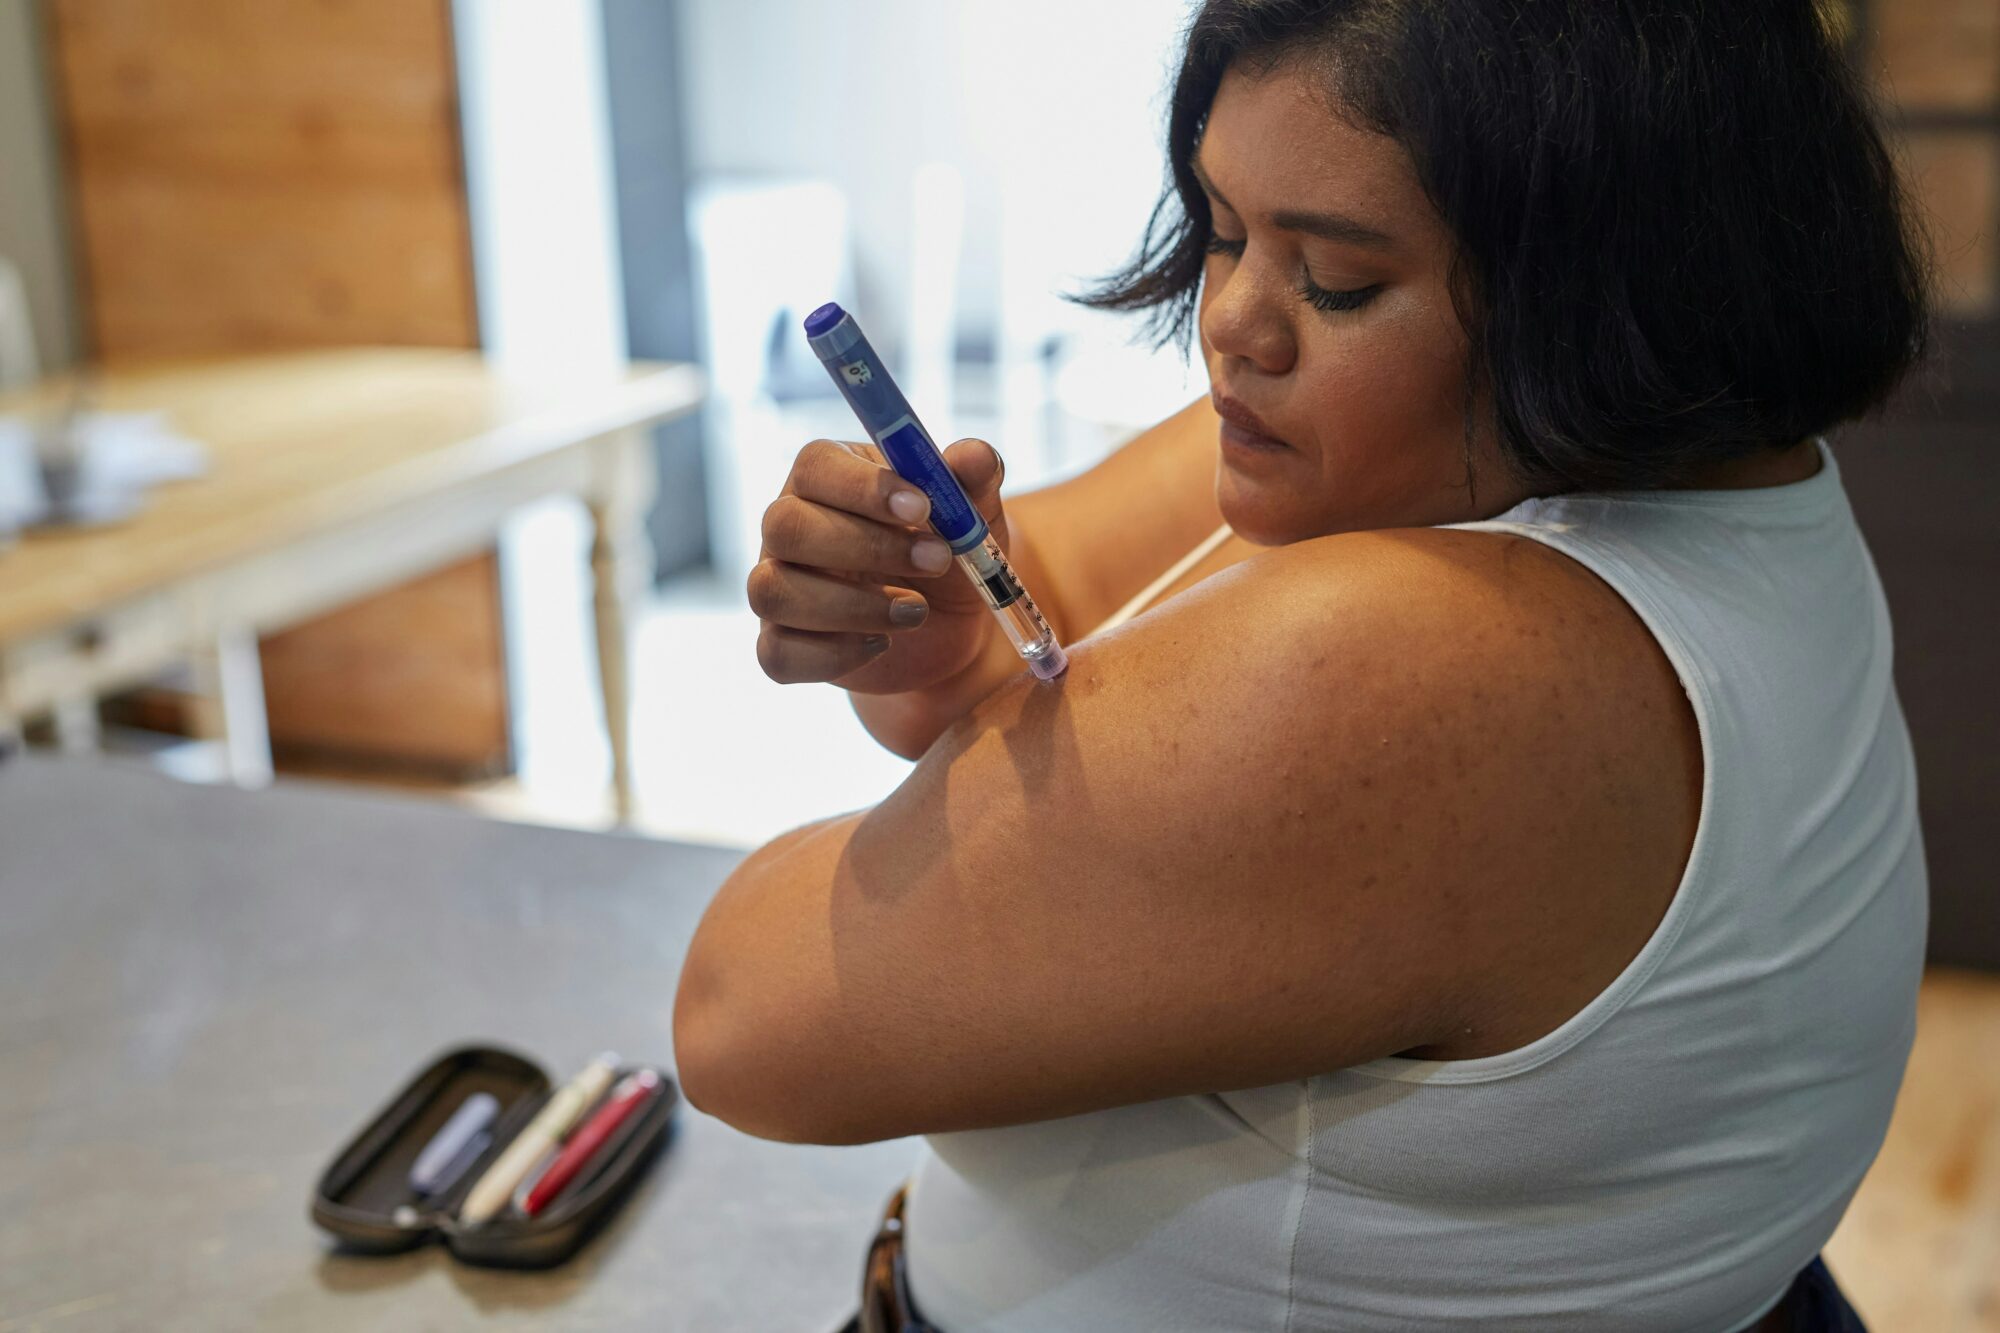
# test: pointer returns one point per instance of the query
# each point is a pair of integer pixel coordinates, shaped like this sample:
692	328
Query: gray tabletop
205	992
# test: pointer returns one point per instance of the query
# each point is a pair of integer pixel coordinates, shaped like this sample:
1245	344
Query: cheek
1381	409
1428	348
1393	393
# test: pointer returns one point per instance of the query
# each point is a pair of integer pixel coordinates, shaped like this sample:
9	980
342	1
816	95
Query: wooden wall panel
1955	176
1939	54
265	173
433	709
251	175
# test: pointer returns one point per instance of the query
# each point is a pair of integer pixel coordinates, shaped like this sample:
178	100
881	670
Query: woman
1481	887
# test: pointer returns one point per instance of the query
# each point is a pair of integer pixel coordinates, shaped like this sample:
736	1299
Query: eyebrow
1327	226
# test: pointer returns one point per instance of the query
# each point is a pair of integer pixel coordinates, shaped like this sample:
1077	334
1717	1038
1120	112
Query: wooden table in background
334	474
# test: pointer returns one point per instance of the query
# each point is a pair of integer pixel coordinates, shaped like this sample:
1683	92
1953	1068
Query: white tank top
1669	1157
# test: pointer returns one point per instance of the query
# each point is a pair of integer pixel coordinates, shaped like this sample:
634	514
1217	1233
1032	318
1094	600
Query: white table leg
229	682
11	738
621	569
75	723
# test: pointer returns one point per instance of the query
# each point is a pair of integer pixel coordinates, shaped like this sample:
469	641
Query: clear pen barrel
1016	611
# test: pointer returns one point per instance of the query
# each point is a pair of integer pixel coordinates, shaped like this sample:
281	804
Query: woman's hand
854	587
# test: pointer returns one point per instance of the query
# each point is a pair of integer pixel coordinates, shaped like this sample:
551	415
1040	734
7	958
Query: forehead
1274	142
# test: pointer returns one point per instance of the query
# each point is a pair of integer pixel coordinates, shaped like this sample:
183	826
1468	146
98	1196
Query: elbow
773	1060
712	1087
708	1062
759	1087
759	1101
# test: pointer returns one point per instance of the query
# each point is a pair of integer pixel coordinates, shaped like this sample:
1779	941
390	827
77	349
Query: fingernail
875	643
907	612
910	506
932	555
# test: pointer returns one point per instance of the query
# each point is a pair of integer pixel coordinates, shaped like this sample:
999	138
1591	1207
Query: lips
1244	426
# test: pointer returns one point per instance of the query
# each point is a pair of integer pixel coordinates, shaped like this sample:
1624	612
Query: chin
1263	515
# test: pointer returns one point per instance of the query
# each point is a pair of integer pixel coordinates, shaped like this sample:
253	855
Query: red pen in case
627	1097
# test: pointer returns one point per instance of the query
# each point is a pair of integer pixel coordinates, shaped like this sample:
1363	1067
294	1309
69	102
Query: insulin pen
496	1188
864	381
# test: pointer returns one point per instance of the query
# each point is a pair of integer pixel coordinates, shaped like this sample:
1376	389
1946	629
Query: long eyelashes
1314	295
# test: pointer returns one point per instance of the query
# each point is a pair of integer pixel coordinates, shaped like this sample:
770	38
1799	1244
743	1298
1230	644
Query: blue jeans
1815	1303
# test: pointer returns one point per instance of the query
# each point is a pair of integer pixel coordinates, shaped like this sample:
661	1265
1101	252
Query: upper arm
1312	812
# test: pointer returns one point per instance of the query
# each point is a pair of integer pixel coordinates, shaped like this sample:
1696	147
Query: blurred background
249	243
585	180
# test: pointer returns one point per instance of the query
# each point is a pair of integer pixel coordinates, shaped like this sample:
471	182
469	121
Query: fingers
845	525
802	532
980	470
796	656
794	598
837	476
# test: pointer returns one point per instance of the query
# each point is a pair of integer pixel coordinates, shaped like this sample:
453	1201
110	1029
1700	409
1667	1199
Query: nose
1242	321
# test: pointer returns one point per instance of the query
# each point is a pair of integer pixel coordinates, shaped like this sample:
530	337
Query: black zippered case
365	1199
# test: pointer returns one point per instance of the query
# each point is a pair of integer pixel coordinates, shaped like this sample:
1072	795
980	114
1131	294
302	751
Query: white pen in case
557	1117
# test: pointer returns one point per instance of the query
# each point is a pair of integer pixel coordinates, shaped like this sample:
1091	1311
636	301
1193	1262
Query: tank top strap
1167	580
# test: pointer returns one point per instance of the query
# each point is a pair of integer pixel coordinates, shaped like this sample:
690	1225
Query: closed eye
1314	295
1325	298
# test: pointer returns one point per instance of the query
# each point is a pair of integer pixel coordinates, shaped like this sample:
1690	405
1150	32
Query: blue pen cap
824	318
883	411
832	332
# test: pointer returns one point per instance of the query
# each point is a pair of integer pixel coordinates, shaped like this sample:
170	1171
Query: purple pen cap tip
824	318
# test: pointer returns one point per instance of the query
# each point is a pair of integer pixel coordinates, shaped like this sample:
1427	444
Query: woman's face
1334	355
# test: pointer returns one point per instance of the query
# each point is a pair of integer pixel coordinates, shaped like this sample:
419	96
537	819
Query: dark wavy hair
1680	238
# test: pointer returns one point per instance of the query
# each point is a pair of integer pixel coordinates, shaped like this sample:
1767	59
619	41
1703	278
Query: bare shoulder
1418	618
1519	702
1561	624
